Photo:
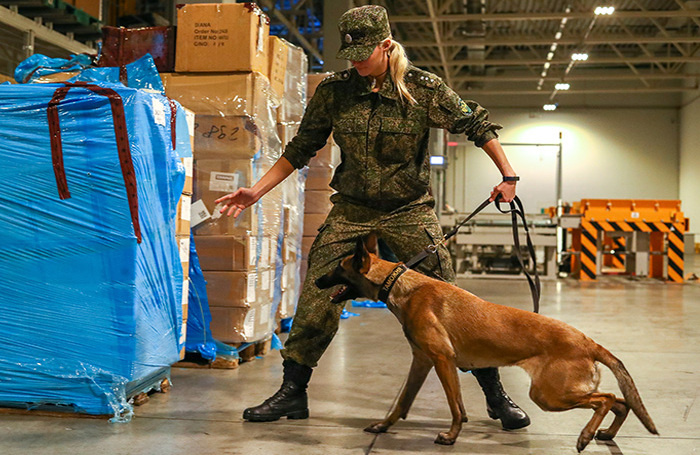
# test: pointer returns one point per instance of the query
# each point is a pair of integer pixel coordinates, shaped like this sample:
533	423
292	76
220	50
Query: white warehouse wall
690	164
607	153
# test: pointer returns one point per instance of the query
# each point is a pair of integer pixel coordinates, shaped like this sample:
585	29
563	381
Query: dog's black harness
516	210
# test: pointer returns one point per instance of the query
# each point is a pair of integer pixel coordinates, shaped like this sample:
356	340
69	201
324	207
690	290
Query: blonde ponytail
398	63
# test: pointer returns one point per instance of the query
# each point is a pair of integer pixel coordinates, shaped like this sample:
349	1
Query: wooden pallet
49	410
248	354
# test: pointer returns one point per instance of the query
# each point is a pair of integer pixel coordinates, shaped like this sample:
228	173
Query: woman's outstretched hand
505	189
237	201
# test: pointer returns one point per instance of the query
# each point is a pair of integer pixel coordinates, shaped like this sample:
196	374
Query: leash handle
534	283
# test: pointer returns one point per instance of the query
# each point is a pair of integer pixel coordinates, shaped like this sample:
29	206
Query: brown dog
449	328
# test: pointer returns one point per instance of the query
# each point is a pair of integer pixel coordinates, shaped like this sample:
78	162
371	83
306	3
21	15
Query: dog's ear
371	243
361	260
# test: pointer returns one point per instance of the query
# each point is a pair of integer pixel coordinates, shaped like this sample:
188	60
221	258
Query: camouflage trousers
407	231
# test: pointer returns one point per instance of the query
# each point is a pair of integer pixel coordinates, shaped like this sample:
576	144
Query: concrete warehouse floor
653	327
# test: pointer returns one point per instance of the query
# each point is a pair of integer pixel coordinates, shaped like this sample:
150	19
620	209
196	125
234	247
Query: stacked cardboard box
182	225
222	63
288	119
318	191
231	74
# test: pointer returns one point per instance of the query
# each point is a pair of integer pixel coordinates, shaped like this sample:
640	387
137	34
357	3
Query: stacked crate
222	66
317	191
289	116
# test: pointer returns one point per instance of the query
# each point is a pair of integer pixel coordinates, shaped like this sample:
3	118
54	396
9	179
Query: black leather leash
516	210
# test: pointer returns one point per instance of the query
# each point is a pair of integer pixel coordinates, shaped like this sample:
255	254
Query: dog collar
390	281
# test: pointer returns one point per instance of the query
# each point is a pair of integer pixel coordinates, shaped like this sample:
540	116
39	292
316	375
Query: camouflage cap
361	29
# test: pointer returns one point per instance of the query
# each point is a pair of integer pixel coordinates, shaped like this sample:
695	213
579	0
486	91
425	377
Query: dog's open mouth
341	295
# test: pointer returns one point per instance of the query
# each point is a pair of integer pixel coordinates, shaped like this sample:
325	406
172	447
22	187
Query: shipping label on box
222	38
224	182
199	213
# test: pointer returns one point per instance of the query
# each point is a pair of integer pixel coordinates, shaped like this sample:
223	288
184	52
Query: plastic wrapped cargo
91	290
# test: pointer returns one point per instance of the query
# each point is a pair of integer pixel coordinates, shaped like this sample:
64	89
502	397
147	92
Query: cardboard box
306	242
294	104
183	244
313	80
92	7
329	155
121	46
185	298
218	137
221	38
217	178
317	201
227	253
231	289
240	325
191	123
279	54
319	177
312	222
288	304
182	215
188	164
224	95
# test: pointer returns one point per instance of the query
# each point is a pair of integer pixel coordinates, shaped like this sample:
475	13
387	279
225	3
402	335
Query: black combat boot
290	400
498	403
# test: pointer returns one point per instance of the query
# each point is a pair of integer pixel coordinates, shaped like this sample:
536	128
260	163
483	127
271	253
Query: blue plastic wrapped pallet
90	275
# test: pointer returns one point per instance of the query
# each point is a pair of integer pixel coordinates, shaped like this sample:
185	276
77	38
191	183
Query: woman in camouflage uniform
380	113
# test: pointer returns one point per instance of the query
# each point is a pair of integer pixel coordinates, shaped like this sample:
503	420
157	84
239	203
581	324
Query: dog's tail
629	390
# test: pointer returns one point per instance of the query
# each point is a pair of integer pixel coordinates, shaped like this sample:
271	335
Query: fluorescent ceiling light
562	86
549	107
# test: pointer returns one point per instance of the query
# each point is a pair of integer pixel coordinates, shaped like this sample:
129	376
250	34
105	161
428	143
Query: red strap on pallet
122	137
173	123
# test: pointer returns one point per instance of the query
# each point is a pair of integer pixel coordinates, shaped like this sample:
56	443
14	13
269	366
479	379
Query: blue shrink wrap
90	276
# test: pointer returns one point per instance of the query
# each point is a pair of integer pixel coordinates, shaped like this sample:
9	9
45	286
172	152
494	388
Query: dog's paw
377	427
604	435
444	439
583	441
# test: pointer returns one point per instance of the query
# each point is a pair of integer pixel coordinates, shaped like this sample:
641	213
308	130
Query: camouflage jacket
383	141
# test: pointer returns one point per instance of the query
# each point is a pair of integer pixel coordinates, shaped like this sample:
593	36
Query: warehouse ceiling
514	52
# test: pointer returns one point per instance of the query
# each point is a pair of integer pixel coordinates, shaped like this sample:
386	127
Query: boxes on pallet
182	215
231	137
231	289
111	277
224	95
121	46
242	324
221	38
294	101
92	7
329	155
279	55
227	253
312	82
312	223
216	178
317	202
263	218
319	177
183	244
